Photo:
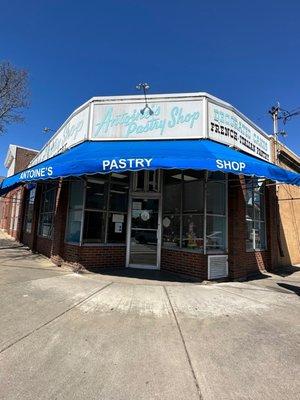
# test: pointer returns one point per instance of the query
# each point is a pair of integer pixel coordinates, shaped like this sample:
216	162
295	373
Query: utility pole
278	113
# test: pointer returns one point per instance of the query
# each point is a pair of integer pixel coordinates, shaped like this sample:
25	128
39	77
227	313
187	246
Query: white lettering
126	163
139	162
231	165
242	165
227	164
130	160
113	164
235	165
219	163
105	163
148	161
122	163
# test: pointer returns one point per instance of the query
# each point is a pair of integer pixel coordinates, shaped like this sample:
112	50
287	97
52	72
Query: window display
195	202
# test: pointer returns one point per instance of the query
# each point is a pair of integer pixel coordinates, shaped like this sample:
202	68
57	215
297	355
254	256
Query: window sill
96	244
44	237
256	250
182	249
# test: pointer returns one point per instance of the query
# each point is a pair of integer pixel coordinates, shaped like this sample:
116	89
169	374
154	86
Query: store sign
126	163
71	133
36	173
230	165
227	127
169	119
177	117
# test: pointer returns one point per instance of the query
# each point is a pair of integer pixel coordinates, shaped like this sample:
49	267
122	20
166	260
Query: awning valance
119	156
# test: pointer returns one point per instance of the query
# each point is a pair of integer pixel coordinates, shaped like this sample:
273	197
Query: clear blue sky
245	52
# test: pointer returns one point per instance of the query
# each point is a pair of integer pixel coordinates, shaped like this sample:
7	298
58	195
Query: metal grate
217	266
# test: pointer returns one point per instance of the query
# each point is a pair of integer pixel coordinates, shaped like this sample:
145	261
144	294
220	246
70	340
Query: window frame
27	204
208	214
146	187
54	189
70	209
205	214
106	211
254	220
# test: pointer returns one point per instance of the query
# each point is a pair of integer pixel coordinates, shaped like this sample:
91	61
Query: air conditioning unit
217	266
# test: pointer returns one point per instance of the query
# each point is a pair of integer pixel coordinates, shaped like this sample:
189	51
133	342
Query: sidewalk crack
184	346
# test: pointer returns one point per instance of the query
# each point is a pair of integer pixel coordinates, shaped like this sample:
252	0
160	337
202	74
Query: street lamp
144	87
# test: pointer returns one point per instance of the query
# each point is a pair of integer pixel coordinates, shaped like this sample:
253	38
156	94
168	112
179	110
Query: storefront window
118	203
47	210
184	202
93	230
95	208
101	205
171	230
76	191
29	204
96	193
215	234
193	191
146	181
255	215
216	203
172	193
192	234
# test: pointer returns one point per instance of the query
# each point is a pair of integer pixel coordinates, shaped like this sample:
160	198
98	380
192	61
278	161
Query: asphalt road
112	337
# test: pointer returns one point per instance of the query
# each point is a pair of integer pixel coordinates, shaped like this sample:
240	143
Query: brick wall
95	256
27	239
243	263
23	158
12	212
43	246
184	262
5	206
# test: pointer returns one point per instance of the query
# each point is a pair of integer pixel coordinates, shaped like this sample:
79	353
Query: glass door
144	233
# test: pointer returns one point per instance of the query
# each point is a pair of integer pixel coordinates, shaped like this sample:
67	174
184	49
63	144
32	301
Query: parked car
144	237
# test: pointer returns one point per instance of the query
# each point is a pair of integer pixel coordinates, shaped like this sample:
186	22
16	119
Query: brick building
184	183
17	159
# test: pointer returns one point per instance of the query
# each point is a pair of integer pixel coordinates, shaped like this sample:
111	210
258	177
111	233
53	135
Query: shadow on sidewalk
292	288
144	274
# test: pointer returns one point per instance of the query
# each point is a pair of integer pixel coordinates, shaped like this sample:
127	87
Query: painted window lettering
126	163
36	173
231	165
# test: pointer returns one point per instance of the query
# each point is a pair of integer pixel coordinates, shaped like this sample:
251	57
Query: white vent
217	266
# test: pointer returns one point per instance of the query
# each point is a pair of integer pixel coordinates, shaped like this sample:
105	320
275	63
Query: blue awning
119	156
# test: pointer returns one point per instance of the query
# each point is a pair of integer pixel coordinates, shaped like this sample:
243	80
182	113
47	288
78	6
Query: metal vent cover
217	266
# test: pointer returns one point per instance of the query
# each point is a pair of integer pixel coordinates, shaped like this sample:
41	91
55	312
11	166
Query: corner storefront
187	188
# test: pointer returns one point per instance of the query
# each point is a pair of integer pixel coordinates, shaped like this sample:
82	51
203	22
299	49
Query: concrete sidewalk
114	337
